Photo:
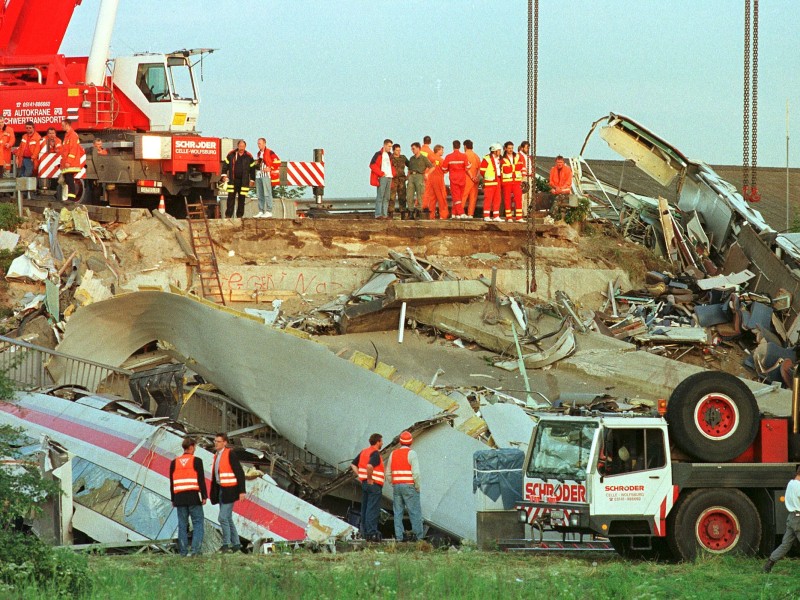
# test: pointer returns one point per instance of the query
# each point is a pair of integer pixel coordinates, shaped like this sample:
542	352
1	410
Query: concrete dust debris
91	290
8	240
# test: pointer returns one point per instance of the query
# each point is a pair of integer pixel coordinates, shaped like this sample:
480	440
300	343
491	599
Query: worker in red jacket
28	151
72	154
187	482
381	173
455	165
490	170
512	166
7	140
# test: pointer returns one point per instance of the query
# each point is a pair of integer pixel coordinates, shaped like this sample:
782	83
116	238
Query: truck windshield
561	450
180	75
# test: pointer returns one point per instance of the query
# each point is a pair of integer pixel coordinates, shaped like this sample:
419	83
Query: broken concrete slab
331	414
368	316
415	293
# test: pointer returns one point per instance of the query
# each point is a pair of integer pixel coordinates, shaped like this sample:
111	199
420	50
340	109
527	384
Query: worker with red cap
404	469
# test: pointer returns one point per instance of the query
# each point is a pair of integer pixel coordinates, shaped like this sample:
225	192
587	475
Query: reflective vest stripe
488	170
511	171
401	467
363	461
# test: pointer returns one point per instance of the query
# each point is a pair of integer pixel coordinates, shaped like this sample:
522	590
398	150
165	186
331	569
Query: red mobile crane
145	107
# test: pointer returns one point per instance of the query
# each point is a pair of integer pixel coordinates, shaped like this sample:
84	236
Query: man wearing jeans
368	467
227	486
267	176
404	467
187	484
381	172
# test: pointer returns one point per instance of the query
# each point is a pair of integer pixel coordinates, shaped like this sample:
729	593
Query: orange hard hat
406	439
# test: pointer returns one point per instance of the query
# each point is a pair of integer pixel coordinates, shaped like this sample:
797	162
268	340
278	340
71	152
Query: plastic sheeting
497	478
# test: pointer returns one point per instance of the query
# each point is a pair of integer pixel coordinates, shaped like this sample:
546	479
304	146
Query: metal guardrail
29	367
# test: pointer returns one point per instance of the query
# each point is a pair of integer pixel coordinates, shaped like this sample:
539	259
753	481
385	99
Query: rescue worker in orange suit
472	181
227	486
435	185
7	140
455	165
98	147
511	168
404	469
490	170
28	151
560	178
428	153
72	154
50	145
240	169
187	484
368	468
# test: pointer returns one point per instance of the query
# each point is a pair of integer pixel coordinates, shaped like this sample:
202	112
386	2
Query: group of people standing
404	471
417	184
189	493
33	149
242	171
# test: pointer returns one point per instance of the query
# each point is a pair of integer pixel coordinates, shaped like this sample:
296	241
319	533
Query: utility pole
787	165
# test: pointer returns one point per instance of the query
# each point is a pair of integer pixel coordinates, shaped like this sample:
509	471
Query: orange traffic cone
162	208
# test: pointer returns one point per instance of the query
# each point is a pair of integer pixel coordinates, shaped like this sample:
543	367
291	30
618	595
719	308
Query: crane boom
31	27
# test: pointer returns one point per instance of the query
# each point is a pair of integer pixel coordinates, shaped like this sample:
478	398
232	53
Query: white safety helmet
494	147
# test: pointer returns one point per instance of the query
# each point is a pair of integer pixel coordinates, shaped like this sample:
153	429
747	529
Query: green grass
439	574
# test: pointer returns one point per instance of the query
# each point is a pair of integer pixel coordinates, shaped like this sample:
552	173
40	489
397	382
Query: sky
345	74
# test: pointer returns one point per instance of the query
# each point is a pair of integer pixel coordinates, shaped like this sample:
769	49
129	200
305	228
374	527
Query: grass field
438	574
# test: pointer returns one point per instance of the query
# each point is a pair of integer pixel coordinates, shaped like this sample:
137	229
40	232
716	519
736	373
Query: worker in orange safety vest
7	140
28	151
227	486
512	166
435	189
560	177
187	482
72	154
490	170
404	468
368	468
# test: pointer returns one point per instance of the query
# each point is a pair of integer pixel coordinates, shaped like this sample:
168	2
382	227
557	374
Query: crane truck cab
162	86
644	482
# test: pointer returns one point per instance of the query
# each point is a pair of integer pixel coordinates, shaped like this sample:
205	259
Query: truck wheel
659	549
718	521
712	417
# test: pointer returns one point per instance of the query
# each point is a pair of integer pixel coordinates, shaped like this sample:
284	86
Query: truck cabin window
561	450
630	450
152	80
180	75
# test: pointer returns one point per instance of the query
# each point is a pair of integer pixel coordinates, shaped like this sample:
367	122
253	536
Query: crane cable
750	103
533	85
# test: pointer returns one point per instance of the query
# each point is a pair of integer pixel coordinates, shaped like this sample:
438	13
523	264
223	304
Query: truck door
633	477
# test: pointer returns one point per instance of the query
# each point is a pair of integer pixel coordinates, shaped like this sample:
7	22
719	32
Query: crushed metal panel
331	414
637	145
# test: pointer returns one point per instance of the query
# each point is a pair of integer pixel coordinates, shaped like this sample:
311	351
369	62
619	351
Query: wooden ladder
203	248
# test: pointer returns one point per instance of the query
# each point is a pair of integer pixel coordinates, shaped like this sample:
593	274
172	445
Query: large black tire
659	550
718	521
712	416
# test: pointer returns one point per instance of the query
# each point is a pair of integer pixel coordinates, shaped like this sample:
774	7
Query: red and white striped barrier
305	173
50	166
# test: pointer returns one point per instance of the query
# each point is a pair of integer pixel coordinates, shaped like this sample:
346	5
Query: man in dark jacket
227	486
240	168
187	484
